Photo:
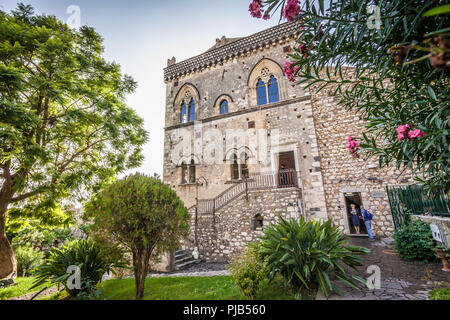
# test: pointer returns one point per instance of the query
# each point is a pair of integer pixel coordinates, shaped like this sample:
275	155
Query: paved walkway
400	279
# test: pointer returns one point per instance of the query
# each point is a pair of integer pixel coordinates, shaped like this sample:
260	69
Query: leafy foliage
143	215
249	269
440	294
86	255
306	253
28	258
415	242
383	74
65	128
39	238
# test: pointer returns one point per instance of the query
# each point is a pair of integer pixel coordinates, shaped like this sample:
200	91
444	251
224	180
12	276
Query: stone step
185	265
183	259
181	255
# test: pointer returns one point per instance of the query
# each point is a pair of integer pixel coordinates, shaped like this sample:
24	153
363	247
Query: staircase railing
256	181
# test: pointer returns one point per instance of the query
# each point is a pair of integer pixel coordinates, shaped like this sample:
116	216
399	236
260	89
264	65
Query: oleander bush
415	241
307	253
249	269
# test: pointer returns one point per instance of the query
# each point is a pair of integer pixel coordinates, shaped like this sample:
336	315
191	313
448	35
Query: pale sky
141	35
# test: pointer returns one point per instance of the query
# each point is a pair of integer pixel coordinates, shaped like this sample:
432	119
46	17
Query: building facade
245	147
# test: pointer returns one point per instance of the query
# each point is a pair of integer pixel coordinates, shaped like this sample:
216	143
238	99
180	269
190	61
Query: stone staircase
183	260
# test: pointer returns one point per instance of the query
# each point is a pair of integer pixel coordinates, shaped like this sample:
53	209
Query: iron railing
407	200
255	181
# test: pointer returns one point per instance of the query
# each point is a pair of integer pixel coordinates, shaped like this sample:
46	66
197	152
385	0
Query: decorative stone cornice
230	50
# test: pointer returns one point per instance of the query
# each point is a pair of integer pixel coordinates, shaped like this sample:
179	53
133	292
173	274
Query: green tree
65	129
143	215
395	75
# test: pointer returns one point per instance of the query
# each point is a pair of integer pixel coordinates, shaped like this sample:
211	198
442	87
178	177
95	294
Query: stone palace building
244	146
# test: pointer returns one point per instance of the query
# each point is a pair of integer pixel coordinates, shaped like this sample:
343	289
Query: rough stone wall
224	234
310	124
288	124
343	173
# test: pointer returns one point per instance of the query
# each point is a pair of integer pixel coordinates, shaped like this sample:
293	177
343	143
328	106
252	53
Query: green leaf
438	10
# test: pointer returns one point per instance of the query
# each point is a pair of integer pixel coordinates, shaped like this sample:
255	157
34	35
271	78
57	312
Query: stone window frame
237	165
219	101
188	168
257	222
259	72
185	95
282	149
229	160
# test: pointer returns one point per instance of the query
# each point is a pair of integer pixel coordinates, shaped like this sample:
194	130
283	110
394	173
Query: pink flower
303	48
291	10
403	129
255	9
290	71
414	134
352	146
403	132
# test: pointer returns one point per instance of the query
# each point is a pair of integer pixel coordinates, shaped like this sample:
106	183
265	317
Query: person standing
355	217
367	218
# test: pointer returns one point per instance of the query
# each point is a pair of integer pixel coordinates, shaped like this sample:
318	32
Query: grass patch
190	288
23	287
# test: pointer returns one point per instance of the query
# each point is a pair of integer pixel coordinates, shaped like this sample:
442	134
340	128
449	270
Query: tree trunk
7	257
140	266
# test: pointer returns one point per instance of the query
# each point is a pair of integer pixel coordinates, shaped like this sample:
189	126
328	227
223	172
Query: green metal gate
412	200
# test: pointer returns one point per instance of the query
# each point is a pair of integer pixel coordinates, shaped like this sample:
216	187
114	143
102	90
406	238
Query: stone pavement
400	279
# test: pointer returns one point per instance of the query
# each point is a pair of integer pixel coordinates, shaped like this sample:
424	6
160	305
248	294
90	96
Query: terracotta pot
442	255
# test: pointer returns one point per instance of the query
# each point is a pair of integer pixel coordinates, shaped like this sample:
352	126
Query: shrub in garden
440	294
28	258
415	242
84	254
307	253
248	269
141	214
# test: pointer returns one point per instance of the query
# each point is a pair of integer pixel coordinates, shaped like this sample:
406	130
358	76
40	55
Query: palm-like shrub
84	254
307	253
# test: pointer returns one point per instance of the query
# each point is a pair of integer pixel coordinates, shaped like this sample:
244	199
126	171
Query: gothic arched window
234	167
192	172
188	174
244	166
272	88
183	113
192	110
261	92
239	167
184	173
224	107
